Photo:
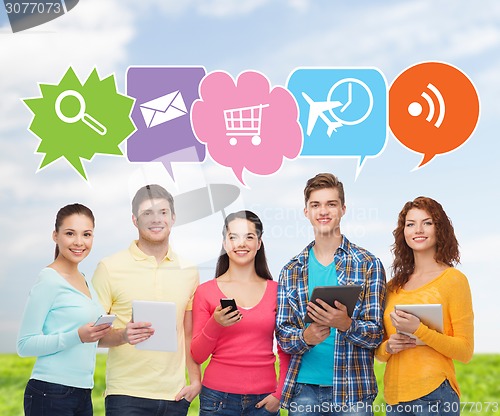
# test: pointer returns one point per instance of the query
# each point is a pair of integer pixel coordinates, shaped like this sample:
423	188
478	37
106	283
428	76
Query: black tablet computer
347	295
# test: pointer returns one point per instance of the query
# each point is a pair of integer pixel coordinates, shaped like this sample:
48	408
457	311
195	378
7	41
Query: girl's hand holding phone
93	333
226	318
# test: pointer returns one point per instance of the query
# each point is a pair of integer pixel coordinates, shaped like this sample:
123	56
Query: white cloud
475	40
488	249
169	8
221	9
43	54
488	86
395	32
213	8
300	5
229	8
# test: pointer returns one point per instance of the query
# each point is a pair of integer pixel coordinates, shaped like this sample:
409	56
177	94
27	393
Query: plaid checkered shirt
353	375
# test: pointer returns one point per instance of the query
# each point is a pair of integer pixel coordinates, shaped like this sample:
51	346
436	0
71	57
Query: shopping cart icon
244	121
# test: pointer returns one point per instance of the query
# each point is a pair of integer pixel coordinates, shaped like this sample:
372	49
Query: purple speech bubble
164	96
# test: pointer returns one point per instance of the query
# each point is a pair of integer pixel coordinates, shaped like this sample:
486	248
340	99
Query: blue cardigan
49	330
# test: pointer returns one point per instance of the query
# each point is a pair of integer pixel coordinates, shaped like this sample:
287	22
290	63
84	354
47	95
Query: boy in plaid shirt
331	369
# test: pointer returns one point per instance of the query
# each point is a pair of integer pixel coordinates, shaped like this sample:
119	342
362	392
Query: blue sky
273	37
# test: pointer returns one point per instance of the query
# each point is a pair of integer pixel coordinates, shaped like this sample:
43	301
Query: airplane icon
317	109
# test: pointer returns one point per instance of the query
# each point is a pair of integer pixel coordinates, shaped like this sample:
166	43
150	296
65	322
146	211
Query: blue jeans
214	402
313	400
442	401
121	405
42	398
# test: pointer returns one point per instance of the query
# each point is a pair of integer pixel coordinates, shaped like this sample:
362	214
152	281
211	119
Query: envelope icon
163	109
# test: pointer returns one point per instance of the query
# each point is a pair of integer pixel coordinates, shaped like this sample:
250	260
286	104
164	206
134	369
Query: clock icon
356	98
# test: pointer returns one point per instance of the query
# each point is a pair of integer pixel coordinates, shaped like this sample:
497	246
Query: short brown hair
151	192
321	181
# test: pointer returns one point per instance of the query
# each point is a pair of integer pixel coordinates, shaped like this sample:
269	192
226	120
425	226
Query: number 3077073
33	7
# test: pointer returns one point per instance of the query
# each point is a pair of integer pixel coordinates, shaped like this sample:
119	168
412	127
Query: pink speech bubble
246	124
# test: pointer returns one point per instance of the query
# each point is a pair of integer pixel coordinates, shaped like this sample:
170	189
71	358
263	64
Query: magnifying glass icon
82	115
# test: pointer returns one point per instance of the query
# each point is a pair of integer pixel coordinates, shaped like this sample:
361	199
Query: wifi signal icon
415	108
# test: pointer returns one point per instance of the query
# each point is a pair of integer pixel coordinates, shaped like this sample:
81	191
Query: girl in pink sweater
240	378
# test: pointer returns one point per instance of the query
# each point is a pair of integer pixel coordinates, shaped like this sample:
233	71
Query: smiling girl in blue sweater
57	326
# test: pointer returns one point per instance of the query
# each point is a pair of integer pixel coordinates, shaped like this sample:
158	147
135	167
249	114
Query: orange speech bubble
433	108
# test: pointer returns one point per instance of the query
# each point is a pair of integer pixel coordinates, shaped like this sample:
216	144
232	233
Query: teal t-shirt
317	363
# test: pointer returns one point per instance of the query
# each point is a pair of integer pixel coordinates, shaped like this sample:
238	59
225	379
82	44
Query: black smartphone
225	302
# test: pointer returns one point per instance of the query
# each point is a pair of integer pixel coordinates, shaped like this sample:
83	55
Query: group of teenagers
326	367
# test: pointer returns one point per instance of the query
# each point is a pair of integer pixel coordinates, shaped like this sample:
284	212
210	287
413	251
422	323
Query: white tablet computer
162	316
348	295
431	314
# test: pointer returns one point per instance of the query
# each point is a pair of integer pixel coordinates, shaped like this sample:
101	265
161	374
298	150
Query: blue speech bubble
343	111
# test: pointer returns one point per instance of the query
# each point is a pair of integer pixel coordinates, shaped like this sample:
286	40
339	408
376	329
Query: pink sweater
242	354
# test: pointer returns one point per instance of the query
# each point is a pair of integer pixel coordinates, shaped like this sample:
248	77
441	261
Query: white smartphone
105	319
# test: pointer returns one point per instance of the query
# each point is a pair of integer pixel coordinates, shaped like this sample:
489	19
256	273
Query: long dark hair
447	251
66	212
261	267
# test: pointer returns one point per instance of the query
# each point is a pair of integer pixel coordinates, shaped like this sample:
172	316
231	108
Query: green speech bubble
77	121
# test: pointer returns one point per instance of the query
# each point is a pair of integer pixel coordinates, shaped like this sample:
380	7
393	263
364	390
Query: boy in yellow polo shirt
140	382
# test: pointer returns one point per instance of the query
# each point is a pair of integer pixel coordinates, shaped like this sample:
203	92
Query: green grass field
479	381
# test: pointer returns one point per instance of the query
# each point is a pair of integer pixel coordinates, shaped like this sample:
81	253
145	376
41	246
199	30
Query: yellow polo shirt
132	275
